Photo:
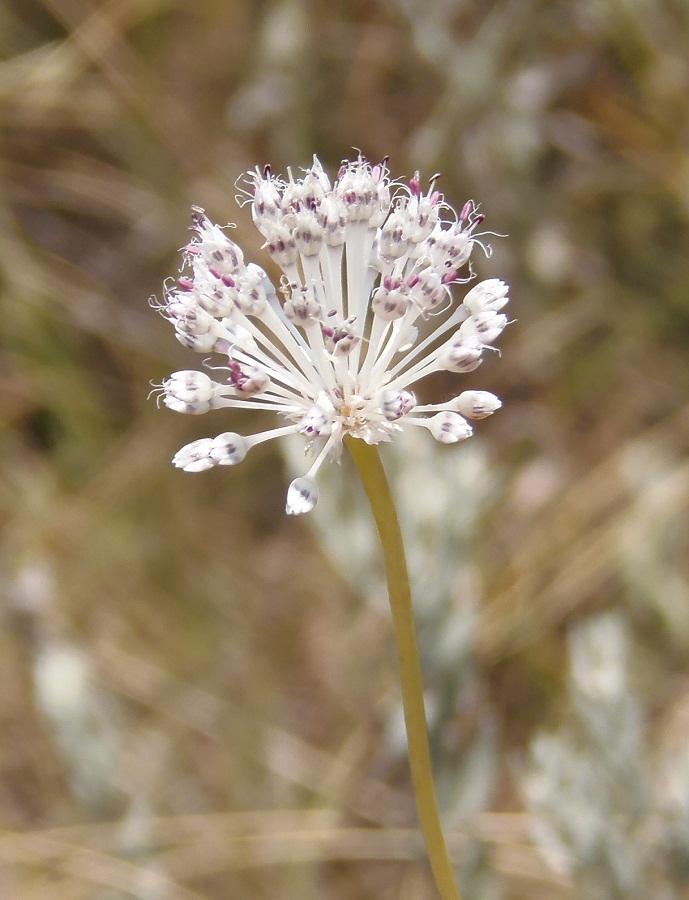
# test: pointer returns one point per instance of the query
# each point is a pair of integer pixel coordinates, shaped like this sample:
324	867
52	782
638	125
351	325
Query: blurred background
199	695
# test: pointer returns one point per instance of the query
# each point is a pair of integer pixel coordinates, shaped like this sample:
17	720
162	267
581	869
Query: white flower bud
308	233
332	216
422	218
265	208
217	302
188	317
449	247
476	404
461	354
228	449
487	326
313	187
395	404
188	392
190	386
302	496
302	307
195	457
427	289
201	343
449	427
340	341
393	242
220	254
457	245
489	295
389	303
251	293
365	196
281	245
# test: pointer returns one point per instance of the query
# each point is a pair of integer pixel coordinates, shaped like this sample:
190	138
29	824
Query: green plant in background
365	268
605	812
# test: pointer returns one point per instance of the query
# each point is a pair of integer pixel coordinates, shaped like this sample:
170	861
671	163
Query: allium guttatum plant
363	311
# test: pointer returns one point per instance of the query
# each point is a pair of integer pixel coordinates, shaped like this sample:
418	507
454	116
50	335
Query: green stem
378	491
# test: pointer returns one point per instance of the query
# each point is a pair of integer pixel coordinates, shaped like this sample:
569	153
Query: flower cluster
360	314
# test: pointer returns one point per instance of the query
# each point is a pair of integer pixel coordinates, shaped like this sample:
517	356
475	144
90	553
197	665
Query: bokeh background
198	696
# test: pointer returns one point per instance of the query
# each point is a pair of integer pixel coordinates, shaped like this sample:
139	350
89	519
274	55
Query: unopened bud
195	457
487	326
461	354
228	449
302	496
449	427
476	404
489	295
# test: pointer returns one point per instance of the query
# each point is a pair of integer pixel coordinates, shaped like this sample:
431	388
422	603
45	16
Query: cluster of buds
364	311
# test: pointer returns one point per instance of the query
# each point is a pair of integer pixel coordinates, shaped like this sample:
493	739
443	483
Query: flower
362	306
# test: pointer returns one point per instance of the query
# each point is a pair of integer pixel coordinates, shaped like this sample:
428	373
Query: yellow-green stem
378	491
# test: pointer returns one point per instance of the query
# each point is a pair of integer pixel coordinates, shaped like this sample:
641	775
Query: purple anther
186	284
237	377
228	281
467	210
449	276
215	272
415	184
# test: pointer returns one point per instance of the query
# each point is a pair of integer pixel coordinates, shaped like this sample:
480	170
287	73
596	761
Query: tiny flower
477	404
302	496
188	392
364	310
228	449
195	457
449	427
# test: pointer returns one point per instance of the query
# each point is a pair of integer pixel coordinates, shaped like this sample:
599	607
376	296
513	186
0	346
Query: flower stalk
372	473
362	312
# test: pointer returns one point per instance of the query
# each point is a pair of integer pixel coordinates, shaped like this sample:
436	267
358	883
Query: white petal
195	457
302	496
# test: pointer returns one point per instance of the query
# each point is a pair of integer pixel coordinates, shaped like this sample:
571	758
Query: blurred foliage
197	700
